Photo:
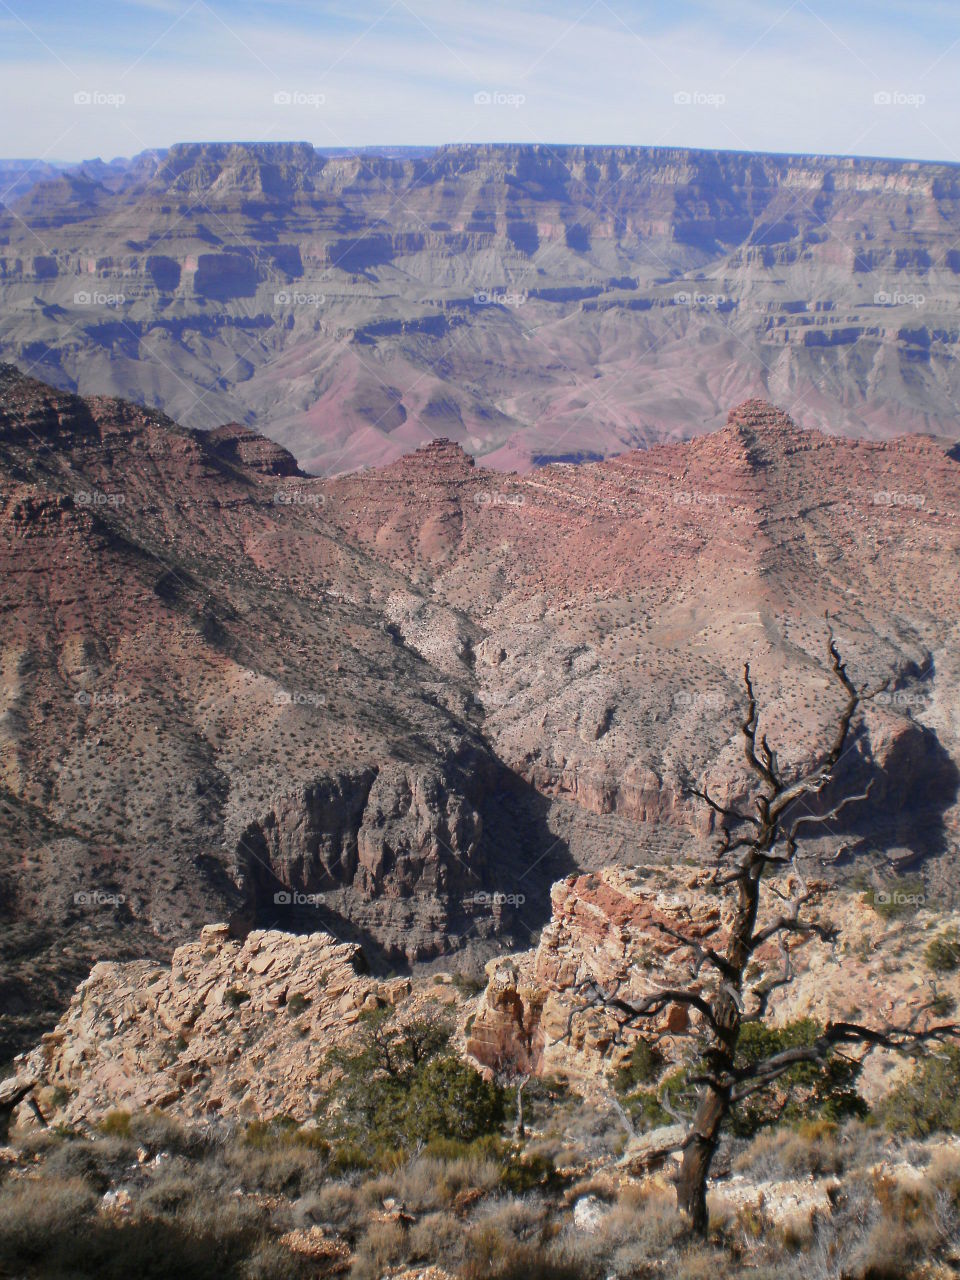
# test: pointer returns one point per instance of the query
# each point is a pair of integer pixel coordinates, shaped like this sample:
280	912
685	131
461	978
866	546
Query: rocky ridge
239	1029
232	1029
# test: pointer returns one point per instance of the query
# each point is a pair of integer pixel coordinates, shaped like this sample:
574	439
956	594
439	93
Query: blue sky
80	78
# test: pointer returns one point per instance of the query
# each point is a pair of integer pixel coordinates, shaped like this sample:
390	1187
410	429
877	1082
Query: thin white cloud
603	72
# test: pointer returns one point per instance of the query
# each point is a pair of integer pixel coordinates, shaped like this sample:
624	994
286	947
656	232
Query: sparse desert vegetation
146	1195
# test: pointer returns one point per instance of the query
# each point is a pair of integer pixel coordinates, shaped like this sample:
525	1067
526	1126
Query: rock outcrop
232	1028
237	443
615	933
241	1028
606	933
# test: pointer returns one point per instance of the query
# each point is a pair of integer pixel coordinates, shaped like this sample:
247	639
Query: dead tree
758	843
512	1072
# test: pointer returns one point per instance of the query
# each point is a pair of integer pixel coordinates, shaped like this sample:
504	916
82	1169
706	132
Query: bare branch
902	1039
728	846
733	814
834	812
704	955
763	990
789	924
817	779
681	1117
649	1006
749	730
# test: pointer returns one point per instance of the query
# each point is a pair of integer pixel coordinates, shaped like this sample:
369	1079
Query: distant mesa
237	443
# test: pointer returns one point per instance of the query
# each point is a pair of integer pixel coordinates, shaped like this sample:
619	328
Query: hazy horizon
384	147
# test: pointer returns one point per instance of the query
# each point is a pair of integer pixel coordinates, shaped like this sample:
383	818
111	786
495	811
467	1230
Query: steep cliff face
513	297
397	833
236	443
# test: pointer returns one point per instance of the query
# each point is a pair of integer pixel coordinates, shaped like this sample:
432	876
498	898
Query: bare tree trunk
520	1131
714	1103
698	1156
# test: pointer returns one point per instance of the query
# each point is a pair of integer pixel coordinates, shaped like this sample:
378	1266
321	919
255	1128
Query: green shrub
808	1091
899	897
468	985
942	954
449	1099
348	1157
490	1147
401	1089
643	1067
270	1133
645	1106
115	1124
522	1174
929	1102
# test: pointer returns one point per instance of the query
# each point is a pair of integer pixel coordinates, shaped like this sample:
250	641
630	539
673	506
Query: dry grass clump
336	1204
573	1135
35	1211
51	1226
782	1154
491	1252
382	1245
281	1170
424	1182
102	1162
438	1235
